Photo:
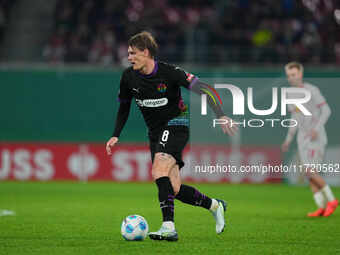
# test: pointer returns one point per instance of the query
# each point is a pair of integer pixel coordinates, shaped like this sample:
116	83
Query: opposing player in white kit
311	139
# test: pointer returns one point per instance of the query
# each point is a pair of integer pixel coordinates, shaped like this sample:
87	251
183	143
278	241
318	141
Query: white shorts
311	153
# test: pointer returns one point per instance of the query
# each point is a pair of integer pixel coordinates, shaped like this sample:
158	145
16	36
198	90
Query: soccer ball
134	228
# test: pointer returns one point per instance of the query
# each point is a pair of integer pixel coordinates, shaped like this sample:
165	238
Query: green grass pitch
84	218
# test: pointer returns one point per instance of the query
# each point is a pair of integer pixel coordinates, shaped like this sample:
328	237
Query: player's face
137	57
294	76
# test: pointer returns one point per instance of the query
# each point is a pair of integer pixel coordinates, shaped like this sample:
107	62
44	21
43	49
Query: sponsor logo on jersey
152	102
161	87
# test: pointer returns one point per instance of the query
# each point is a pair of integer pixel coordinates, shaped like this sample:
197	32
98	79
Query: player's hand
110	144
285	146
313	134
227	127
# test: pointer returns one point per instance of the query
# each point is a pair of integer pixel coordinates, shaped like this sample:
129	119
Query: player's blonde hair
294	64
144	40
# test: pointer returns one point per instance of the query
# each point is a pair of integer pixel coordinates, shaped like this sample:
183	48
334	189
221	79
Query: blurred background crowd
5	6
200	31
242	31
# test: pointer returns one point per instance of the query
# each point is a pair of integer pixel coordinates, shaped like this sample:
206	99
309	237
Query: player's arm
324	116
290	134
122	117
325	112
195	85
199	87
124	97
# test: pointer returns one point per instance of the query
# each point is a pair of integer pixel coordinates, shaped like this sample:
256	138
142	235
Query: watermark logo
239	100
296	97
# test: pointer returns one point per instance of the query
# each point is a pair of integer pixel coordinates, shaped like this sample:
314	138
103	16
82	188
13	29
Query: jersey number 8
165	136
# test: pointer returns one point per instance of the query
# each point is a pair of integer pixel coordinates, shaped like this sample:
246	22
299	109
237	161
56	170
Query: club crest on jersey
161	87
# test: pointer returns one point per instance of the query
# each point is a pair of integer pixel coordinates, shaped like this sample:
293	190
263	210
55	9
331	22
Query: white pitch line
5	212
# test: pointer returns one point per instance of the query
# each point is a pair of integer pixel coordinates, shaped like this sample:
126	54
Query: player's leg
323	193
319	199
323	196
161	167
330	200
168	153
175	179
186	193
307	156
192	196
304	158
332	203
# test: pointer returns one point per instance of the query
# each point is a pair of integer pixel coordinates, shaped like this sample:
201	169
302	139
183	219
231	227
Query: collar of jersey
154	71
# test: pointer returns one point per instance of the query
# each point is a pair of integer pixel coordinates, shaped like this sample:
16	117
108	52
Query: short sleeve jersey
158	95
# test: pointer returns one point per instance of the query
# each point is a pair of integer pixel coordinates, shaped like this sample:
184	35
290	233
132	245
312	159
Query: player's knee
176	187
162	164
157	174
310	173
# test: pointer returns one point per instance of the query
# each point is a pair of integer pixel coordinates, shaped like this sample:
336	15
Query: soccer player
156	87
311	139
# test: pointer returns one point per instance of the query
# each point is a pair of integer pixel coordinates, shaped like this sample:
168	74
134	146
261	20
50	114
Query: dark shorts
170	140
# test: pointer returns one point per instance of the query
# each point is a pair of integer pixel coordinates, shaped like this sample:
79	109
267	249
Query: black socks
166	198
192	196
186	194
